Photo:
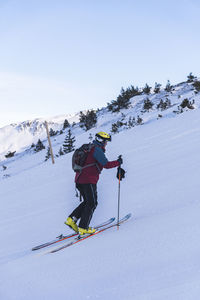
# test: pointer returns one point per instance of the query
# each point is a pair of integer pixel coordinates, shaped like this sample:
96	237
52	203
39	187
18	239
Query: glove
120	173
120	160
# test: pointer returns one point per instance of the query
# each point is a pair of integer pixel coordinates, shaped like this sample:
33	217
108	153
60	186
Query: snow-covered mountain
17	137
154	256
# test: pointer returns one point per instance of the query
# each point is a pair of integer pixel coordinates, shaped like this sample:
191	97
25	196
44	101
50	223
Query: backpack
79	157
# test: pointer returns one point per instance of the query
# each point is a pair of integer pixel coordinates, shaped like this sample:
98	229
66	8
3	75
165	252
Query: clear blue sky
61	56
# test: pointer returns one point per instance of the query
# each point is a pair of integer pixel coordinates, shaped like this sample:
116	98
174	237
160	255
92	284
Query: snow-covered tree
52	132
123	100
139	121
88	120
191	77
60	152
116	126
196	85
157	88
162	105
146	89
168	87
39	146
186	103
147	104
66	124
68	145
48	154
131	122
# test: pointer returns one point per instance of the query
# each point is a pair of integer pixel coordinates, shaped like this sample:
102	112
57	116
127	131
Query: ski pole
119	195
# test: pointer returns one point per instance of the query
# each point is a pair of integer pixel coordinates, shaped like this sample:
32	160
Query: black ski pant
86	209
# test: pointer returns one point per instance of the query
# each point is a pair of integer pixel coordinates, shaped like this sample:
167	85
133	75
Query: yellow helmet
103	136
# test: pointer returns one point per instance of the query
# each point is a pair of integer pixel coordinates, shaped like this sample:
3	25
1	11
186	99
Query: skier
86	183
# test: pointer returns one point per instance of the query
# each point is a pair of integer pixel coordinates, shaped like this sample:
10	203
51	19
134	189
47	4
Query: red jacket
98	158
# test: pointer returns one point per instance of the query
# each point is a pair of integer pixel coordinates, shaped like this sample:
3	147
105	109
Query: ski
62	237
80	239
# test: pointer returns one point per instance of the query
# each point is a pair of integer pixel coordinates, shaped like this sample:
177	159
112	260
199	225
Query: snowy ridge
19	137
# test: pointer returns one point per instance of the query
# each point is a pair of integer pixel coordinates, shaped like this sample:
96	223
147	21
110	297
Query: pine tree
157	88
66	124
131	122
168	87
196	85
52	132
114	128
191	78
139	120
146	89
60	152
82	117
162	105
39	146
147	104
68	145
117	125
186	103
88	120
48	154
123	100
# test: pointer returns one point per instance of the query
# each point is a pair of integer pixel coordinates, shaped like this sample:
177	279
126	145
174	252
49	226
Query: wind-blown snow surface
155	255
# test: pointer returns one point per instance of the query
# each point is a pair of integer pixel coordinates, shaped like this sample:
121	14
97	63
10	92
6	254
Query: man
86	183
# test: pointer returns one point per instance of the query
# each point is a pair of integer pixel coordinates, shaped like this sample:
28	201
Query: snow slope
155	255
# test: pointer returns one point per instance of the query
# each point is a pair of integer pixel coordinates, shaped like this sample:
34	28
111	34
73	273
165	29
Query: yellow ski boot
83	231
72	224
